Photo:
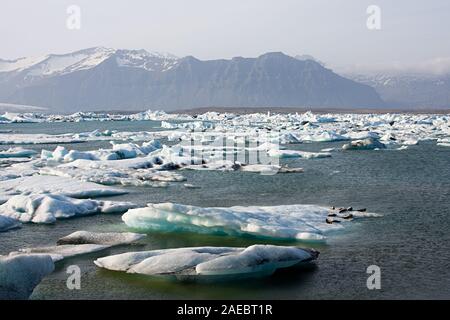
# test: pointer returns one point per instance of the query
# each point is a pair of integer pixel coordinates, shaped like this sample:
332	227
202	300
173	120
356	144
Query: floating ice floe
15	117
295	222
297	154
260	168
7	223
17	153
96	135
20	169
444	142
29	138
82	242
290	128
46	208
327	136
103	238
366	144
209	263
20	274
142	171
191	186
39	184
119	151
5	162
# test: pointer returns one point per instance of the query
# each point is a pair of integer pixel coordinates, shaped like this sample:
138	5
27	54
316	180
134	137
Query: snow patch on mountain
59	64
150	61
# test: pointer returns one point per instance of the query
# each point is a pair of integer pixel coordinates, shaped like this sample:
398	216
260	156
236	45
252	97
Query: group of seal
342	213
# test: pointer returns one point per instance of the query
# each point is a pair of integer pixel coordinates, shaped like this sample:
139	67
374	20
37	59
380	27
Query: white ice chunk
46	208
366	144
257	258
58	253
297	154
106	174
444	144
103	238
209	263
30	138
39	184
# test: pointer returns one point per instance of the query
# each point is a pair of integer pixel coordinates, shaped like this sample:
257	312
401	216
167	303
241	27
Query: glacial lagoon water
411	188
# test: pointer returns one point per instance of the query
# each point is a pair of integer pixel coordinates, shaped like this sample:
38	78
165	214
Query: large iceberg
209	263
46	208
20	274
296	222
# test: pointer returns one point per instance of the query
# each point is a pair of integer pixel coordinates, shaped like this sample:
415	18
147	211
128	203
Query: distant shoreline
236	110
246	110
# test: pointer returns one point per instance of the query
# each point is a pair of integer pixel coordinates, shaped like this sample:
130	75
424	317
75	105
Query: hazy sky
414	34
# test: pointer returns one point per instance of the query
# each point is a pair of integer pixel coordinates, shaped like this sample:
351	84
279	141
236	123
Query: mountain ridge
102	78
409	90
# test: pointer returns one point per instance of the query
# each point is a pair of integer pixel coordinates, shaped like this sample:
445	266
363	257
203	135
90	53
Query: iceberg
39	184
324	137
284	128
260	168
293	222
444	144
135	172
20	274
82	242
59	253
366	144
30	138
17	153
118	151
103	238
46	208
209	263
297	154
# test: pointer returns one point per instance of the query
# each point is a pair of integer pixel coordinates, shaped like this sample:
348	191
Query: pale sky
414	34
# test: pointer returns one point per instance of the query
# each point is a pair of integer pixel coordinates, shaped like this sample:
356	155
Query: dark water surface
410	243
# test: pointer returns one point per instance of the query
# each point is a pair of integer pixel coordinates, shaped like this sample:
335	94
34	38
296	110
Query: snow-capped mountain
409	90
102	79
59	64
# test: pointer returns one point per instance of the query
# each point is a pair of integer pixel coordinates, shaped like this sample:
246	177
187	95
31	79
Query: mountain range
409	90
110	79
